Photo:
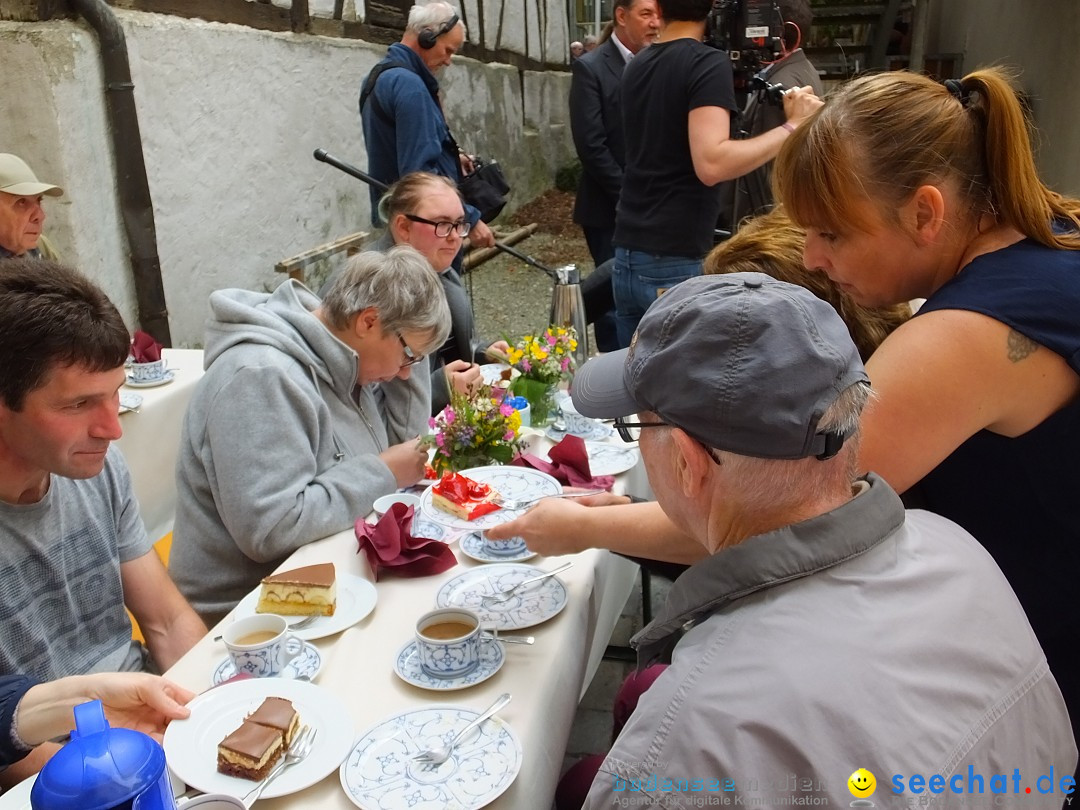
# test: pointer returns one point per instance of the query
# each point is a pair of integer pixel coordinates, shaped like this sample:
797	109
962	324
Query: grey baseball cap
19	179
741	362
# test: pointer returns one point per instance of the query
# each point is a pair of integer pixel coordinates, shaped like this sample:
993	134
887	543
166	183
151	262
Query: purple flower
526	366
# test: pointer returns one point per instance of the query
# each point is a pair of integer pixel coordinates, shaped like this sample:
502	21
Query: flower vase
541	397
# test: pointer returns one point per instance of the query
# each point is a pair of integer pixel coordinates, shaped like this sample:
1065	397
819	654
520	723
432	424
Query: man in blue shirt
404	127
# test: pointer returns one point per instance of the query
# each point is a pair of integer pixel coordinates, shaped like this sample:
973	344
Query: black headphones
428	36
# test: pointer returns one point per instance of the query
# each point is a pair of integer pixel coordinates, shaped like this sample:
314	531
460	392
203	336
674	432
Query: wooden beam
295	265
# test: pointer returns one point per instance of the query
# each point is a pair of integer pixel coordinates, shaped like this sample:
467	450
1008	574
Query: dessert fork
438	755
503	595
509	504
298	750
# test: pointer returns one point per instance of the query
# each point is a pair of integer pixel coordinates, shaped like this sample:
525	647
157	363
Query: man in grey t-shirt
74	551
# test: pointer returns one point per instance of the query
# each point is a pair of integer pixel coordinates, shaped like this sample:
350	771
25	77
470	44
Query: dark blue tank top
1020	497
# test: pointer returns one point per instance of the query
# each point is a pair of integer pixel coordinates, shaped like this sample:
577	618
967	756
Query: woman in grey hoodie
308	411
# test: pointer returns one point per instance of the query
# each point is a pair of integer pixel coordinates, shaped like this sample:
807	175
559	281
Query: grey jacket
866	637
279	446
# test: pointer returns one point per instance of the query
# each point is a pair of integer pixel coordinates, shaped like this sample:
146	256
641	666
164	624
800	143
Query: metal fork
439	754
298	750
521	504
503	595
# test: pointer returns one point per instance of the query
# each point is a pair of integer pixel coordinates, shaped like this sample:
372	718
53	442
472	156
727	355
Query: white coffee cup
261	645
448	654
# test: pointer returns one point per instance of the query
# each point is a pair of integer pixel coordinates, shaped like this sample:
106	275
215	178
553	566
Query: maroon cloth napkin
144	348
569	464
390	545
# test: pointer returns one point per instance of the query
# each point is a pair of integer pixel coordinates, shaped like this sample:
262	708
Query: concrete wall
1039	39
229	119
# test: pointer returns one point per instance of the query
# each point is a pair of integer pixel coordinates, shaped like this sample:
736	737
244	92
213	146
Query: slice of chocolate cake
250	752
300	592
277	713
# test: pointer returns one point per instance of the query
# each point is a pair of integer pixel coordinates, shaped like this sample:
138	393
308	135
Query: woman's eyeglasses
411	358
443	228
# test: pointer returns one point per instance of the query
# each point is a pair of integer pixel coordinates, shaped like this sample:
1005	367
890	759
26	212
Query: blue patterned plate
534	604
380	774
407	666
512	483
307	663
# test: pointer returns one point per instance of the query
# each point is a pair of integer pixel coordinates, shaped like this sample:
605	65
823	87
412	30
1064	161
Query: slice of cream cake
300	592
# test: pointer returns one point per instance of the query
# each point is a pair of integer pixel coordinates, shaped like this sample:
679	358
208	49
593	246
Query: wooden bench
296	266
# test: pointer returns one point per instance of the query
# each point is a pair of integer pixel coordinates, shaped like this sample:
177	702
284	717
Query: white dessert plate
17	797
129	401
191	744
532	605
380	774
512	483
355	599
492	372
167	377
407	666
473	545
305	665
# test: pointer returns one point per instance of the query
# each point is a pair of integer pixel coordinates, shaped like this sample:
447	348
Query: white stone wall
229	119
1037	39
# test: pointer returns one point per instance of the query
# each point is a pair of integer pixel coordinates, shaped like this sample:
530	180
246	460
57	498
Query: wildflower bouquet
543	361
475	431
547	358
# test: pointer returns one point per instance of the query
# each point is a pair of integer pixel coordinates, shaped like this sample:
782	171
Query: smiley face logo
862	783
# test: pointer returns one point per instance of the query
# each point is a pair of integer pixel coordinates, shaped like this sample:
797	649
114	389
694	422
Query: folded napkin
144	349
569	464
390	544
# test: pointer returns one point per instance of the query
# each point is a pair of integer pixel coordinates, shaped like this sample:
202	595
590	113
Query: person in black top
677	99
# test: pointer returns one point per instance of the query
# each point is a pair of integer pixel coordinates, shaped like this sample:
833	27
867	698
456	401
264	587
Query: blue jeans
639	279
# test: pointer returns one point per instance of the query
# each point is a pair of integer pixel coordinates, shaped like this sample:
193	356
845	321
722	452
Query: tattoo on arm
1020	346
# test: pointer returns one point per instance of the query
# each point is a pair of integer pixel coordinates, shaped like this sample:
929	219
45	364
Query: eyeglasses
411	359
443	228
631	432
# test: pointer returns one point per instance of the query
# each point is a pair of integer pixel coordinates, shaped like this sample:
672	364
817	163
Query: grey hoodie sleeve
406	404
266	440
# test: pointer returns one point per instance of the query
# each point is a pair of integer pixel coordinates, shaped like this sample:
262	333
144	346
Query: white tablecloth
152	435
546	679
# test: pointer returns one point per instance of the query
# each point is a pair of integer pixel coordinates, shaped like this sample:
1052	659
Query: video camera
752	33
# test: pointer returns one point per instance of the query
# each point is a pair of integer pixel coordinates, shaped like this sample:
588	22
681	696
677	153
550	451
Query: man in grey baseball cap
826	629
21	213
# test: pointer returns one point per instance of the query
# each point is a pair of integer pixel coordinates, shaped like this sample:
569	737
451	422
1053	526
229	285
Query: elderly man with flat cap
21	213
827	630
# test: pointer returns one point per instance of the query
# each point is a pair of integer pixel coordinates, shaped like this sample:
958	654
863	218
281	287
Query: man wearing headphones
404	127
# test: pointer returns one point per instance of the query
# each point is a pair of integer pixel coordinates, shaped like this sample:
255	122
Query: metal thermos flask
568	308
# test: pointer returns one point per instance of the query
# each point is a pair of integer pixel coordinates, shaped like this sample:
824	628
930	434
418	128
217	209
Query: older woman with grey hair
308	411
